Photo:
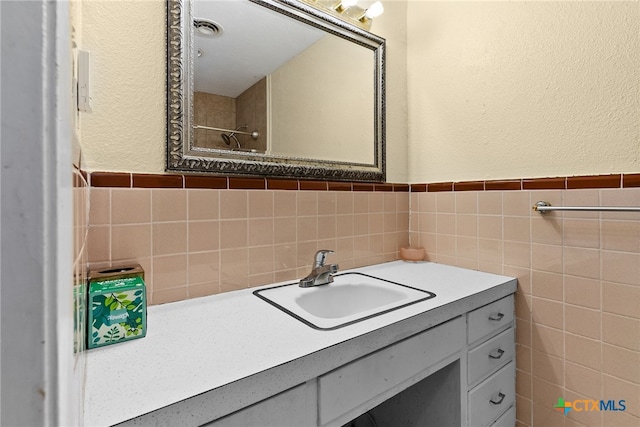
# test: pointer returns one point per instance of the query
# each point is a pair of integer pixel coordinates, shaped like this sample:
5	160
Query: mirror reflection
275	87
309	97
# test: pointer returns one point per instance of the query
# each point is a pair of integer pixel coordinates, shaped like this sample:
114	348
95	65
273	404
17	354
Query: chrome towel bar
544	207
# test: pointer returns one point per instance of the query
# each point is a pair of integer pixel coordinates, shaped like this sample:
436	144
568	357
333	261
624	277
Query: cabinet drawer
356	383
490	318
289	408
490	355
508	419
493	396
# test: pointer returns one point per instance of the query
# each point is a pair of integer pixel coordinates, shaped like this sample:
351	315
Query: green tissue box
117	310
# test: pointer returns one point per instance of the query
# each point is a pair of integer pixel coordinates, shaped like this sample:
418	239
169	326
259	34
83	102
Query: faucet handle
320	257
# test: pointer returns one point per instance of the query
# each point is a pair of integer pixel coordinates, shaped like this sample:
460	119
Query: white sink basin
352	297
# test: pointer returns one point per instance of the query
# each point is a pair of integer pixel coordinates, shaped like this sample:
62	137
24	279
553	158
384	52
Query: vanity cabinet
490	364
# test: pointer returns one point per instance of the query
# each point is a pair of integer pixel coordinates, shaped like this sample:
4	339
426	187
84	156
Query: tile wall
194	242
578	299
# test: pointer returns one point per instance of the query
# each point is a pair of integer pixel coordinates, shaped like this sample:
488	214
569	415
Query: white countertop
198	345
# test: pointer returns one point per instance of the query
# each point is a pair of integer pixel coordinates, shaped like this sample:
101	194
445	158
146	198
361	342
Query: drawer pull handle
496	316
501	397
496	354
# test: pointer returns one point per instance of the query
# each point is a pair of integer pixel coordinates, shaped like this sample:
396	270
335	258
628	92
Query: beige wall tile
261	260
582	262
621	267
361	224
204	289
233	204
467	225
445	202
582	321
377	202
523	332
547	367
446	246
389	202
523	384
260	204
490	203
130	206
168	204
621	362
621	235
523	411
327	203
307	203
261	232
204	236
490	251
546	258
582	380
169	272
547	312
234	234
203	204
389	223
582	291
523	358
615	388
100	206
284	203
130	241
360	202
402	202
547	285
517	229
376	223
99	243
428	202
490	227
621	331
344	226
466	202
584	233
285	256
170	295
516	203
169	238
446	223
546	229
234	269
467	247
204	267
428	222
307	227
517	254
284	230
621	299
548	340
344	202
584	351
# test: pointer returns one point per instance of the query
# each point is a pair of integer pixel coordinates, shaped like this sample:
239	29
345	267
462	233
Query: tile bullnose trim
140	180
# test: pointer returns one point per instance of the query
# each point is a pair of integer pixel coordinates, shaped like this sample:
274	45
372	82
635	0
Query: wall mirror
273	88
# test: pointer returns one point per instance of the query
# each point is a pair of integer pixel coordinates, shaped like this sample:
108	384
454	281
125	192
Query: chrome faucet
321	274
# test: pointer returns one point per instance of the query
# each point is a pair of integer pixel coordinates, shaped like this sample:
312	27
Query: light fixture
344	5
373	11
349	10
